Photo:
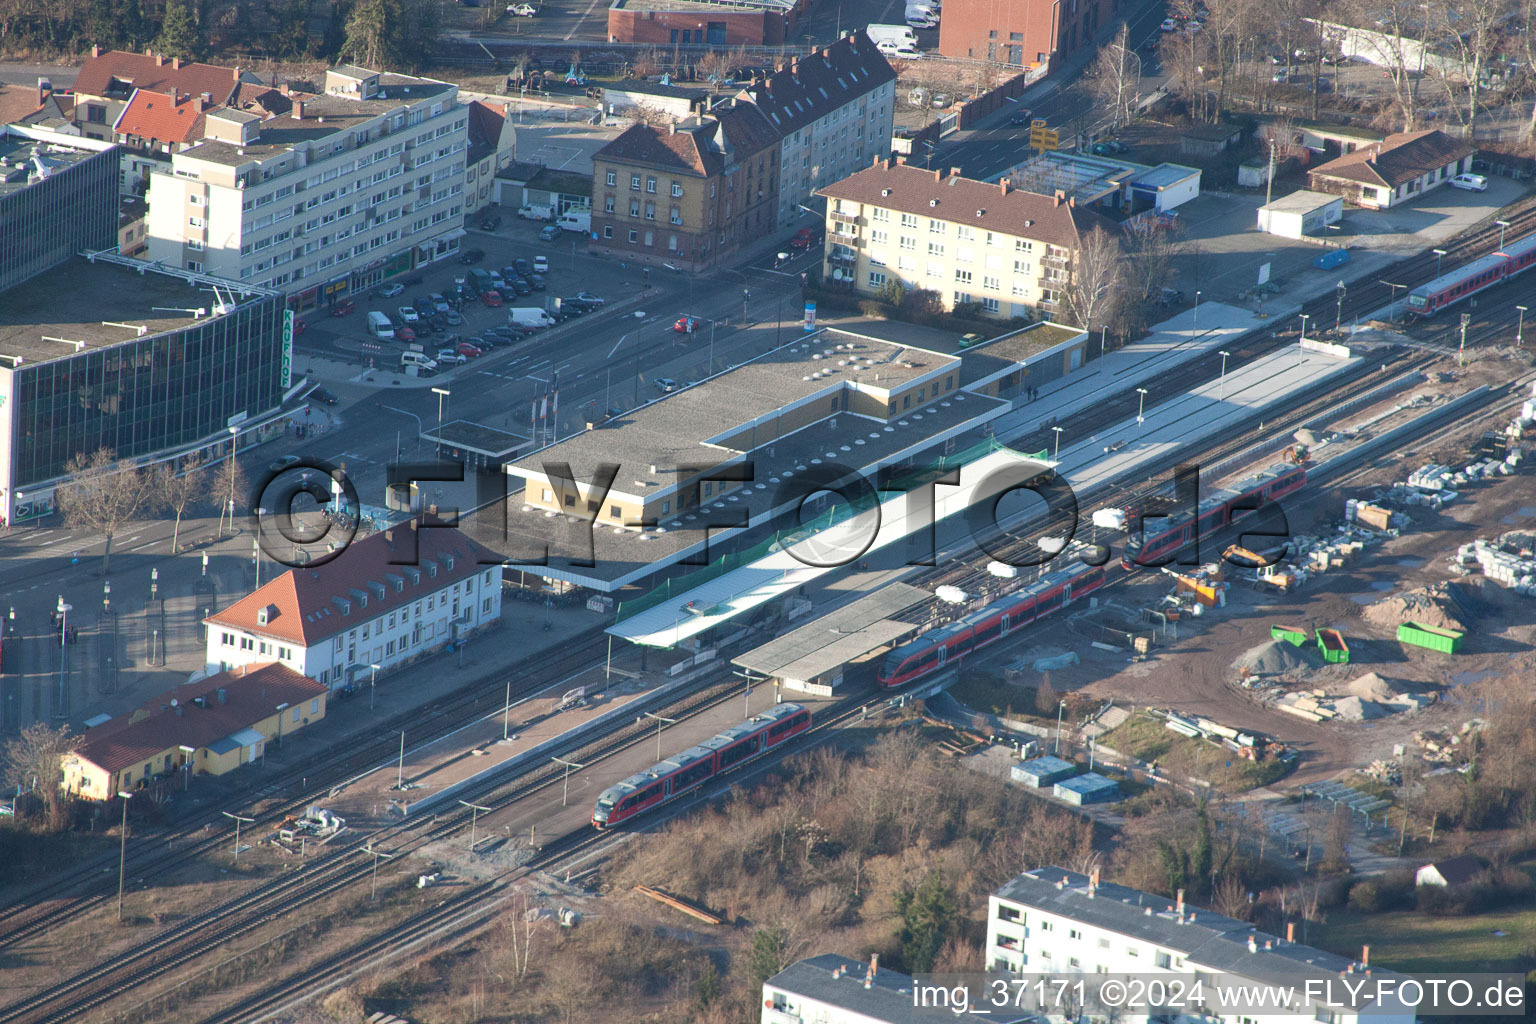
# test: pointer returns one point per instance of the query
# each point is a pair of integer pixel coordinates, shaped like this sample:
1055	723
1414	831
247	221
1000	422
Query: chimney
224	694
95	51
1056	199
159	61
1180	904
1071	201
1004	186
874	962
1253	945
1093	879
207	99
175	63
1290	933
938	174
298	110
285	88
672	128
954	172
1365	956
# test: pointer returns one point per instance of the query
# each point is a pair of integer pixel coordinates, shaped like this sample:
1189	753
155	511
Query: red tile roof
192	715
485	126
950	197
157	116
1396	159
117	71
308	605
699	145
17	101
811	87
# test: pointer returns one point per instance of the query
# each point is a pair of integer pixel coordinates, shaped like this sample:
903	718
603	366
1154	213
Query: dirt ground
1194	674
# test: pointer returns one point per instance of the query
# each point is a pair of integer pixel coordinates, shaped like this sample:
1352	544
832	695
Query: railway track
347	865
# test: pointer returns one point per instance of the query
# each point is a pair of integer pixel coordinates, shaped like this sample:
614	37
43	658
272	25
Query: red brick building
707	22
1022	32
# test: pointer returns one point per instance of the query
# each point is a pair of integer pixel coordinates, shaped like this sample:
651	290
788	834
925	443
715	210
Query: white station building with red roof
385	600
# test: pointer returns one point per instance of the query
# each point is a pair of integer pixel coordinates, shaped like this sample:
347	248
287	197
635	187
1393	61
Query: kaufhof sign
287	347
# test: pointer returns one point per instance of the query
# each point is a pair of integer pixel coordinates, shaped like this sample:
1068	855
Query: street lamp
376	854
565	786
234	447
746	293
659	723
1304	318
373	685
441	394
122	852
256	558
187	764
1461	353
280	709
1060	707
1056	455
1392	309
1519	327
1439	254
1224	355
63	610
1197	309
1338	314
1141	404
1502	225
474	817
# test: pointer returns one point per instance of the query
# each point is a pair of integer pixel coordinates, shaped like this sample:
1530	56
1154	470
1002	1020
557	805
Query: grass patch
983	691
1149	739
1416	943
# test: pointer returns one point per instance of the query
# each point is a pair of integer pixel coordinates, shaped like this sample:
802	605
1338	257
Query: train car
987	625
1482	273
1221	509
690	769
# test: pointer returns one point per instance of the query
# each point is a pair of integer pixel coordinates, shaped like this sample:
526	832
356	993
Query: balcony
844	218
773	1015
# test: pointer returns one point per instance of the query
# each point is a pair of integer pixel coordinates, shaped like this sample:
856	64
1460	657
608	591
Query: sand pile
1371	687
1277	658
1434	606
1353	709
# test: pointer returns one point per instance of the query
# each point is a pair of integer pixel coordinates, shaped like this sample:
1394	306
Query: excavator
1265	567
1297	454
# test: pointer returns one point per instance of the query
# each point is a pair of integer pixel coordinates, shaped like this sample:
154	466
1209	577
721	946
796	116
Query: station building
101	351
628	498
209	726
384	600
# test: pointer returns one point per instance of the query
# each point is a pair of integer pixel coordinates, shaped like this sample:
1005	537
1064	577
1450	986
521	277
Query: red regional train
696	765
949	643
1220	509
1476	276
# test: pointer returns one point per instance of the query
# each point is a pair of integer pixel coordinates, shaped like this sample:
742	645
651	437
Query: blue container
1331	259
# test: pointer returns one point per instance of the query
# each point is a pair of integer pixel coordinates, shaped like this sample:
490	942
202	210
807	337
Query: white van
922	11
577	218
922	20
418	360
380	327
897	34
890	49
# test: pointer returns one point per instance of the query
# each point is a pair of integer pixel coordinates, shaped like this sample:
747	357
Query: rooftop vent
933	202
885	192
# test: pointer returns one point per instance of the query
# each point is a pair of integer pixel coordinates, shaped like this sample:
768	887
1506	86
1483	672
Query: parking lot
571	270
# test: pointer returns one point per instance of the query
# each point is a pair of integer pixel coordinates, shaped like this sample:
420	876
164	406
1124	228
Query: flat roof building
62	181
1087	788
1058	922
361	182
1301	213
208	726
833	989
1043	772
175	360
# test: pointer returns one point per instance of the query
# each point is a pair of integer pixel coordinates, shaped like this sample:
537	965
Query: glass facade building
64	183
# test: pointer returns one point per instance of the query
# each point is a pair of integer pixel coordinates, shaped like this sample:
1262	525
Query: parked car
1281	76
453	318
1469	182
522	266
1170	297
300	325
470	256
450	355
343	307
665	383
405	334
587	298
465	348
389	291
804	239
521	10
491	298
521	287
490	222
1021	116
425	306
541	264
408	314
1169	25
323	396
278	465
439	303
1109	147
686	324
549	233
537	280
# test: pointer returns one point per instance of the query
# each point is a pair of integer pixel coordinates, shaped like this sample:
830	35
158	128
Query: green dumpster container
1446	641
1331	643
1293	635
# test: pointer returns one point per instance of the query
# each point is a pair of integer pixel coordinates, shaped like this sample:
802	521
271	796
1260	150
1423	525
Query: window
990	304
650	211
634	182
612	177
963	276
965	234
1162	959
965	254
634	207
908	243
607	230
876	279
1022	267
936	227
991	283
879	216
1074	933
935	248
634	236
608	204
1023	245
878	237
650	185
296	714
1005	913
909	220
677	190
314	706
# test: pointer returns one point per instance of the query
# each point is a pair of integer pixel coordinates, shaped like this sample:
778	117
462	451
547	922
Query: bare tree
1149	251
715	66
644	113
35	755
229	486
646	63
1116	77
1469	29
176	492
1093	290
103	496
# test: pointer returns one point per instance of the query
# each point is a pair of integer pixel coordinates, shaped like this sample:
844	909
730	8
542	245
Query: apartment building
832	989
492	147
1007	250
1028	33
833	112
385	600
688	194
1055	922
350	187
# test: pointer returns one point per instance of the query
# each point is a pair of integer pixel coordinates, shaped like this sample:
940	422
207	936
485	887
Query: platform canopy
838	637
775	574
